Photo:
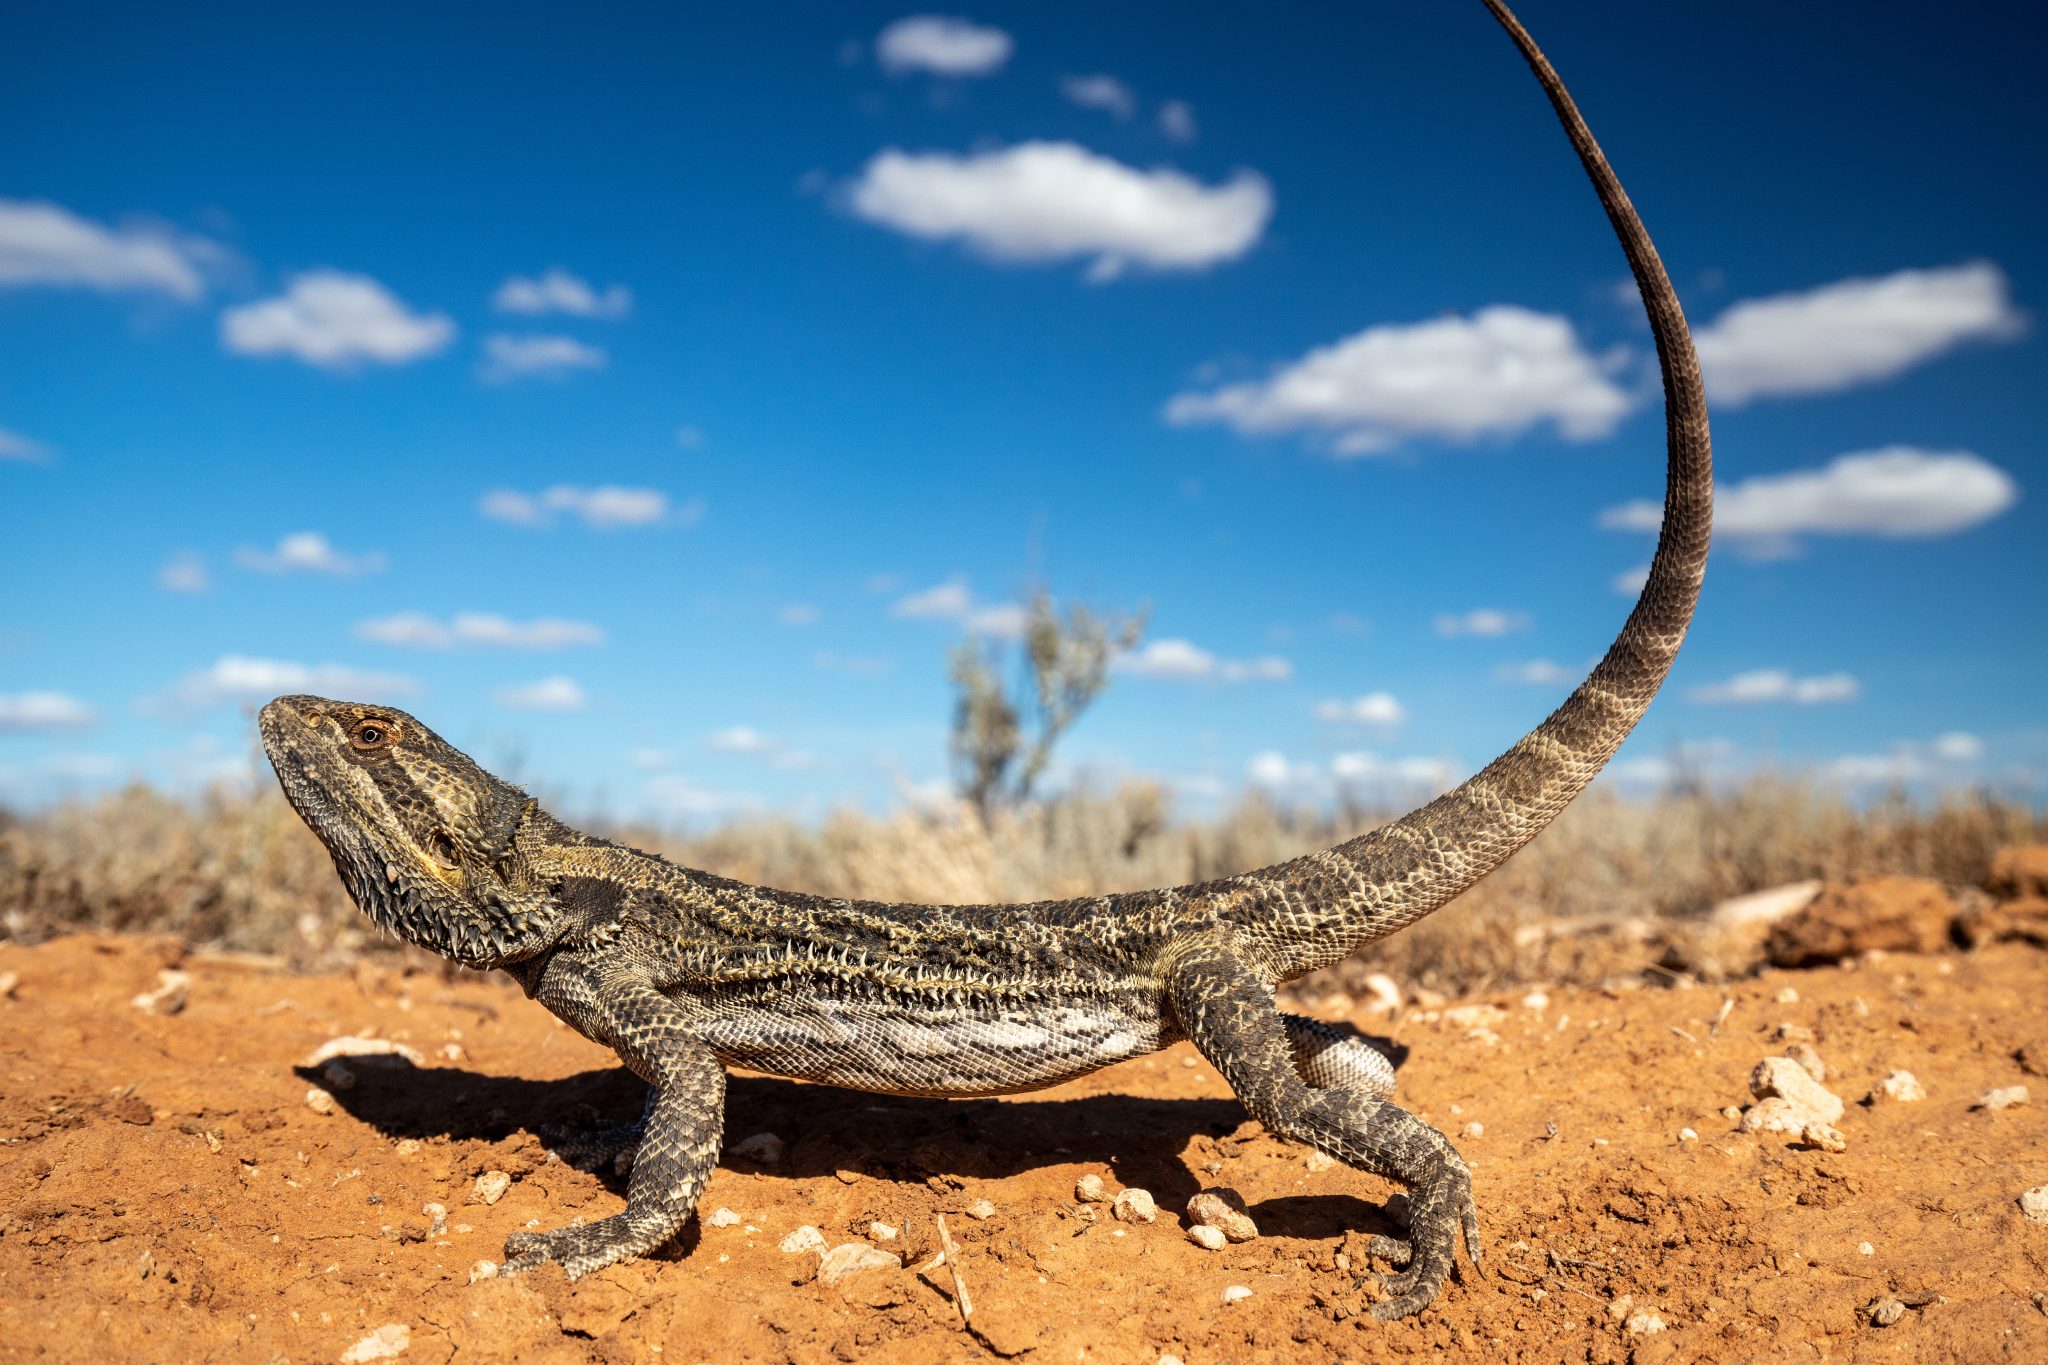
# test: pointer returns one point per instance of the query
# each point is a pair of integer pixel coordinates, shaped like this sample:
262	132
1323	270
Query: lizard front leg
684	1121
1228	1013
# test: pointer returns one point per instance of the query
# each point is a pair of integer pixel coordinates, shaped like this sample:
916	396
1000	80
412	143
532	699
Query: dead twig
951	1255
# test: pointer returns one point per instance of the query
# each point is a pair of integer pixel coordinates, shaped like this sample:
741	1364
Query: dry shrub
239	870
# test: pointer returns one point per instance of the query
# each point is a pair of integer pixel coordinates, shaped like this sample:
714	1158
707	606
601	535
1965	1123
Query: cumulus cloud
1175	660
557	693
1629	582
26	712
184	572
308	552
15	446
241	678
942	46
335	320
1055	201
604	508
1100	91
1763	685
1945	758
1899	492
1373	708
45	244
747	742
1481	621
951	601
1359	768
1538	673
1177	121
1852	332
558	291
536	356
675	795
417	630
1499	372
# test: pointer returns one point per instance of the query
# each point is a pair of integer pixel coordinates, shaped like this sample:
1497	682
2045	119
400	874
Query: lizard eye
371	734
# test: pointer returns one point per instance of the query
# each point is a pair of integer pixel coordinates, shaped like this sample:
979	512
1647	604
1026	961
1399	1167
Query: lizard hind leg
1227	1011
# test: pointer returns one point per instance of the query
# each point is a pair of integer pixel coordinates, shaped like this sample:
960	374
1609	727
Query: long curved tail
1312	911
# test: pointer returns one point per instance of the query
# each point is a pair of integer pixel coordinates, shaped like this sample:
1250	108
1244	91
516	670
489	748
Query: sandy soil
168	1193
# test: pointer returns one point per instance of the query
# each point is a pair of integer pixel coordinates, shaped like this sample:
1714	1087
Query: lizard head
427	842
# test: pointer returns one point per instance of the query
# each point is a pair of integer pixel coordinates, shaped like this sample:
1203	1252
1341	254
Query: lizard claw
1443	1212
579	1248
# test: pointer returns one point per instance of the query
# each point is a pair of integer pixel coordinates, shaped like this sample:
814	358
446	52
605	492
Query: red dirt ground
167	1193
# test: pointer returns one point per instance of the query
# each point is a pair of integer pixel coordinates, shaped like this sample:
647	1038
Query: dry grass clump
239	870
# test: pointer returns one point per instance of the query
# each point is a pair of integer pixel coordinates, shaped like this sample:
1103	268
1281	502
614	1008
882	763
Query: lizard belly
903	1049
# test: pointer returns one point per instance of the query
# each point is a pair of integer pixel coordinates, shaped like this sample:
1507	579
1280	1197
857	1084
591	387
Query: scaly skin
685	974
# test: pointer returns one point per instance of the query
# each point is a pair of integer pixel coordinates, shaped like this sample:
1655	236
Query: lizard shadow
944	1143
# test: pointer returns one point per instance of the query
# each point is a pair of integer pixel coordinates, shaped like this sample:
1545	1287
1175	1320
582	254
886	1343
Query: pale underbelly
929	1052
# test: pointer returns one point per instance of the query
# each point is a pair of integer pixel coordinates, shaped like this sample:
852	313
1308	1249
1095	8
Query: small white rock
1809	1061
319	1101
723	1218
1788	996
883	1232
1886	1311
491	1186
1901	1087
2005	1097
2034	1204
805	1238
1236	1293
1385	992
1775	1115
1619	1308
1535	1000
1171	1359
1089	1190
172	989
1475	1129
1319	1161
981	1210
763	1149
1204	1235
1824	1137
1786	1079
1644	1323
1688	1135
483	1270
1135	1206
852	1257
1865	1249
386	1343
1223	1209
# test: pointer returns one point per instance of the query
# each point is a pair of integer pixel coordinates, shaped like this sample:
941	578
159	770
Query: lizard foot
1442	1211
579	1248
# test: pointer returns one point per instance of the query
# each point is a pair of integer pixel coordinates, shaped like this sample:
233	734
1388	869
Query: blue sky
649	398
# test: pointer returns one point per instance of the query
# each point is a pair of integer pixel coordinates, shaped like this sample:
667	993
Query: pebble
1786	1079
1886	1311
1203	1235
1385	993
1171	1359
319	1101
491	1186
1535	1000
1644	1323
337	1075
981	1210
385	1343
173	989
1221	1208
1688	1135
805	1238
1776	1115
1901	1087
883	1232
483	1270
1865	1249
2034	1204
2005	1097
1788	996
853	1257
1809	1061
1475	1129
1822	1136
1089	1190
1136	1206
1236	1293
764	1149
1793	1033
723	1218
1319	1161
8	981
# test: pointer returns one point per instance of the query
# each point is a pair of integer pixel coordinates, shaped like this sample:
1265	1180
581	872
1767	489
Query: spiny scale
684	973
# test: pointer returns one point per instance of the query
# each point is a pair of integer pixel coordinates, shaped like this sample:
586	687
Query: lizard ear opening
443	849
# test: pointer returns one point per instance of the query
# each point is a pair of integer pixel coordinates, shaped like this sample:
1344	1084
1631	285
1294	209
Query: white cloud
335	320
1537	673
417	630
951	601
1054	201
1482	621
679	796
1373	708
1003	621
240	678
558	291
747	742
1958	746
1945	758
1177	121
44	244
308	552
1629	582
15	446
649	760
1499	372
1181	661
536	356
22	712
1853	331
184	572
942	45
1898	491
799	614
1777	685
1273	770
1688	762
603	508
557	693
1101	91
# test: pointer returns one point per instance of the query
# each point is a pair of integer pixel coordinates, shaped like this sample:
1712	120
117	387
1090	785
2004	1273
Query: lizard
686	974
